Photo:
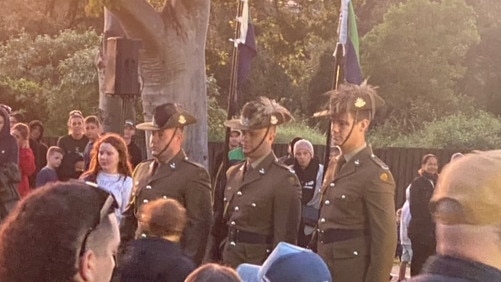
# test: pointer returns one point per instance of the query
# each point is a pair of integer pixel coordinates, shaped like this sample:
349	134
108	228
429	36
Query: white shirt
119	186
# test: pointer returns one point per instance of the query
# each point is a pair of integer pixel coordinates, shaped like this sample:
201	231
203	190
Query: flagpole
338	55
232	93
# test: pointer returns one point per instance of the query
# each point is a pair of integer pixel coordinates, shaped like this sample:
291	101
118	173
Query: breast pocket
350	208
258	211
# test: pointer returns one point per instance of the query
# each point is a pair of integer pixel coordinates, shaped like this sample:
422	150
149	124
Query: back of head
469	191
41	238
212	272
163	217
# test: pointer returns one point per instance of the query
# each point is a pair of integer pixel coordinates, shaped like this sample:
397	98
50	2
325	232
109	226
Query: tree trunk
172	59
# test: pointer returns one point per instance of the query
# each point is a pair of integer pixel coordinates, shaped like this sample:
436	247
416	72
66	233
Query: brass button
239	193
148	187
145	201
237	208
327	202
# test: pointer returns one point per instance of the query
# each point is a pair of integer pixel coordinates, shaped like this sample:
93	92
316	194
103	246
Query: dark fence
403	162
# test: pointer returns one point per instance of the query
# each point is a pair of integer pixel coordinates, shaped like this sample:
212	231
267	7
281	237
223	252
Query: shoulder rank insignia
384	176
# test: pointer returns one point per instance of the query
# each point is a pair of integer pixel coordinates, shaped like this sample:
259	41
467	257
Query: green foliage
288	131
49	17
417	56
482	81
477	130
47	76
216	115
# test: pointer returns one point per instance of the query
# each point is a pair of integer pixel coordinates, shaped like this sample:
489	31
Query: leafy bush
479	130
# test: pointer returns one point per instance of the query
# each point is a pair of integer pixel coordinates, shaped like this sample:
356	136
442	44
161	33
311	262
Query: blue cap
287	263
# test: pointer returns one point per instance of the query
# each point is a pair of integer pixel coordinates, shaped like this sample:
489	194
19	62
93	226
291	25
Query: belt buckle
233	236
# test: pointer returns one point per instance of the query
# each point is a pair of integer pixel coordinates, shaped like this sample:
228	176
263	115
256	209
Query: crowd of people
95	211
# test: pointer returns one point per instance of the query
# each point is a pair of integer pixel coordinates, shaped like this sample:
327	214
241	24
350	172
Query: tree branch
140	20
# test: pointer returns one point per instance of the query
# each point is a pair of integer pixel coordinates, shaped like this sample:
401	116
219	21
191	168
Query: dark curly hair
40	240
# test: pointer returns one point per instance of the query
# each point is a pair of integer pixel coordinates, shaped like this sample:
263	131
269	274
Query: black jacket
153	259
421	227
9	151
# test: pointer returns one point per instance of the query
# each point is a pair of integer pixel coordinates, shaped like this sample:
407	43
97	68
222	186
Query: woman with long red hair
110	169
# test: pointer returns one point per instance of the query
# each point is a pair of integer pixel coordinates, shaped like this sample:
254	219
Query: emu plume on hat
351	98
261	113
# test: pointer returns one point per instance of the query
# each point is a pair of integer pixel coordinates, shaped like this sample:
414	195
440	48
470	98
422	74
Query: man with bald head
466	206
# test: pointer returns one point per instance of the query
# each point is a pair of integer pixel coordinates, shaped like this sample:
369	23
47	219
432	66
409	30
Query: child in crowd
48	173
92	132
27	166
110	169
134	152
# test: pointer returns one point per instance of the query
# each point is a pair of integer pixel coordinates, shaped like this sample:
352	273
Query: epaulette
187	160
283	166
379	162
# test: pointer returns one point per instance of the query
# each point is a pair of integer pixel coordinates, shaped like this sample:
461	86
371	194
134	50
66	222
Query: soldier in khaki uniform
262	198
356	228
171	175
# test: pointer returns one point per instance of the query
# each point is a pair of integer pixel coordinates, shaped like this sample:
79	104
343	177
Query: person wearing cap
287	263
134	152
356	227
262	198
465	205
171	175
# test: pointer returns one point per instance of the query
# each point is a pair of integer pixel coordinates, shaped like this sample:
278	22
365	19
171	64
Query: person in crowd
38	147
9	151
78	245
93	130
110	169
357	227
73	146
421	229
289	158
288	263
262	198
212	272
27	166
49	173
310	172
170	174
15	117
135	154
157	255
235	153
9	170
405	242
465	206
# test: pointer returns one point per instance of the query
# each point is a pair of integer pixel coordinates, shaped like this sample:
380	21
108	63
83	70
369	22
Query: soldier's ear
364	124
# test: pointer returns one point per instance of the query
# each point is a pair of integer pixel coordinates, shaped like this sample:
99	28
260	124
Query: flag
246	45
348	36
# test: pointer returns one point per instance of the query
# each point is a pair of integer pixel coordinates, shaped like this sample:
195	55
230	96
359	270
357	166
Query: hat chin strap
168	144
351	130
260	143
